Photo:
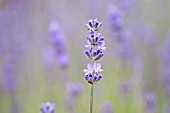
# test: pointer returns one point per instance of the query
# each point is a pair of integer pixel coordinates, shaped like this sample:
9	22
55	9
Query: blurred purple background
42	56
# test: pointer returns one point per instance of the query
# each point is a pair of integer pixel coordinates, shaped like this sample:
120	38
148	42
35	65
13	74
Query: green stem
91	100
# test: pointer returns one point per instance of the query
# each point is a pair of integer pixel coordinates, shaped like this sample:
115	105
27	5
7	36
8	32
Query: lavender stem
91	99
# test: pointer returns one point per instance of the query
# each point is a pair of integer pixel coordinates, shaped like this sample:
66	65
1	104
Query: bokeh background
136	63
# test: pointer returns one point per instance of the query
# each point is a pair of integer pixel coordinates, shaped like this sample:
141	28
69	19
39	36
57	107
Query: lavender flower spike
47	108
95	47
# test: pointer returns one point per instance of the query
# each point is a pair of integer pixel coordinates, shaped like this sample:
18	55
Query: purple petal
52	111
98	51
91	50
86	77
90	23
99	77
90	75
100	44
101	55
93	40
89	39
96	25
89	67
101	39
87	53
47	107
91	31
94	54
99	66
100	25
95	78
90	79
96	40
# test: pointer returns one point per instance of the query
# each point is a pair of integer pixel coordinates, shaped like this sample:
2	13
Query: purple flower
47	108
92	73
125	49
117	25
94	54
63	61
93	24
95	40
101	45
165	55
93	79
74	90
151	102
107	108
58	41
115	18
10	75
90	68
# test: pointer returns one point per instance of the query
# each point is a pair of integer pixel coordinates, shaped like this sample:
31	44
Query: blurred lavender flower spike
125	88
74	90
115	18
63	60
10	76
166	53
127	6
47	108
58	40
92	73
107	108
151	102
93	24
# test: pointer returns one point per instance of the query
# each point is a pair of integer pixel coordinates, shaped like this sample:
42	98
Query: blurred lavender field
42	56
